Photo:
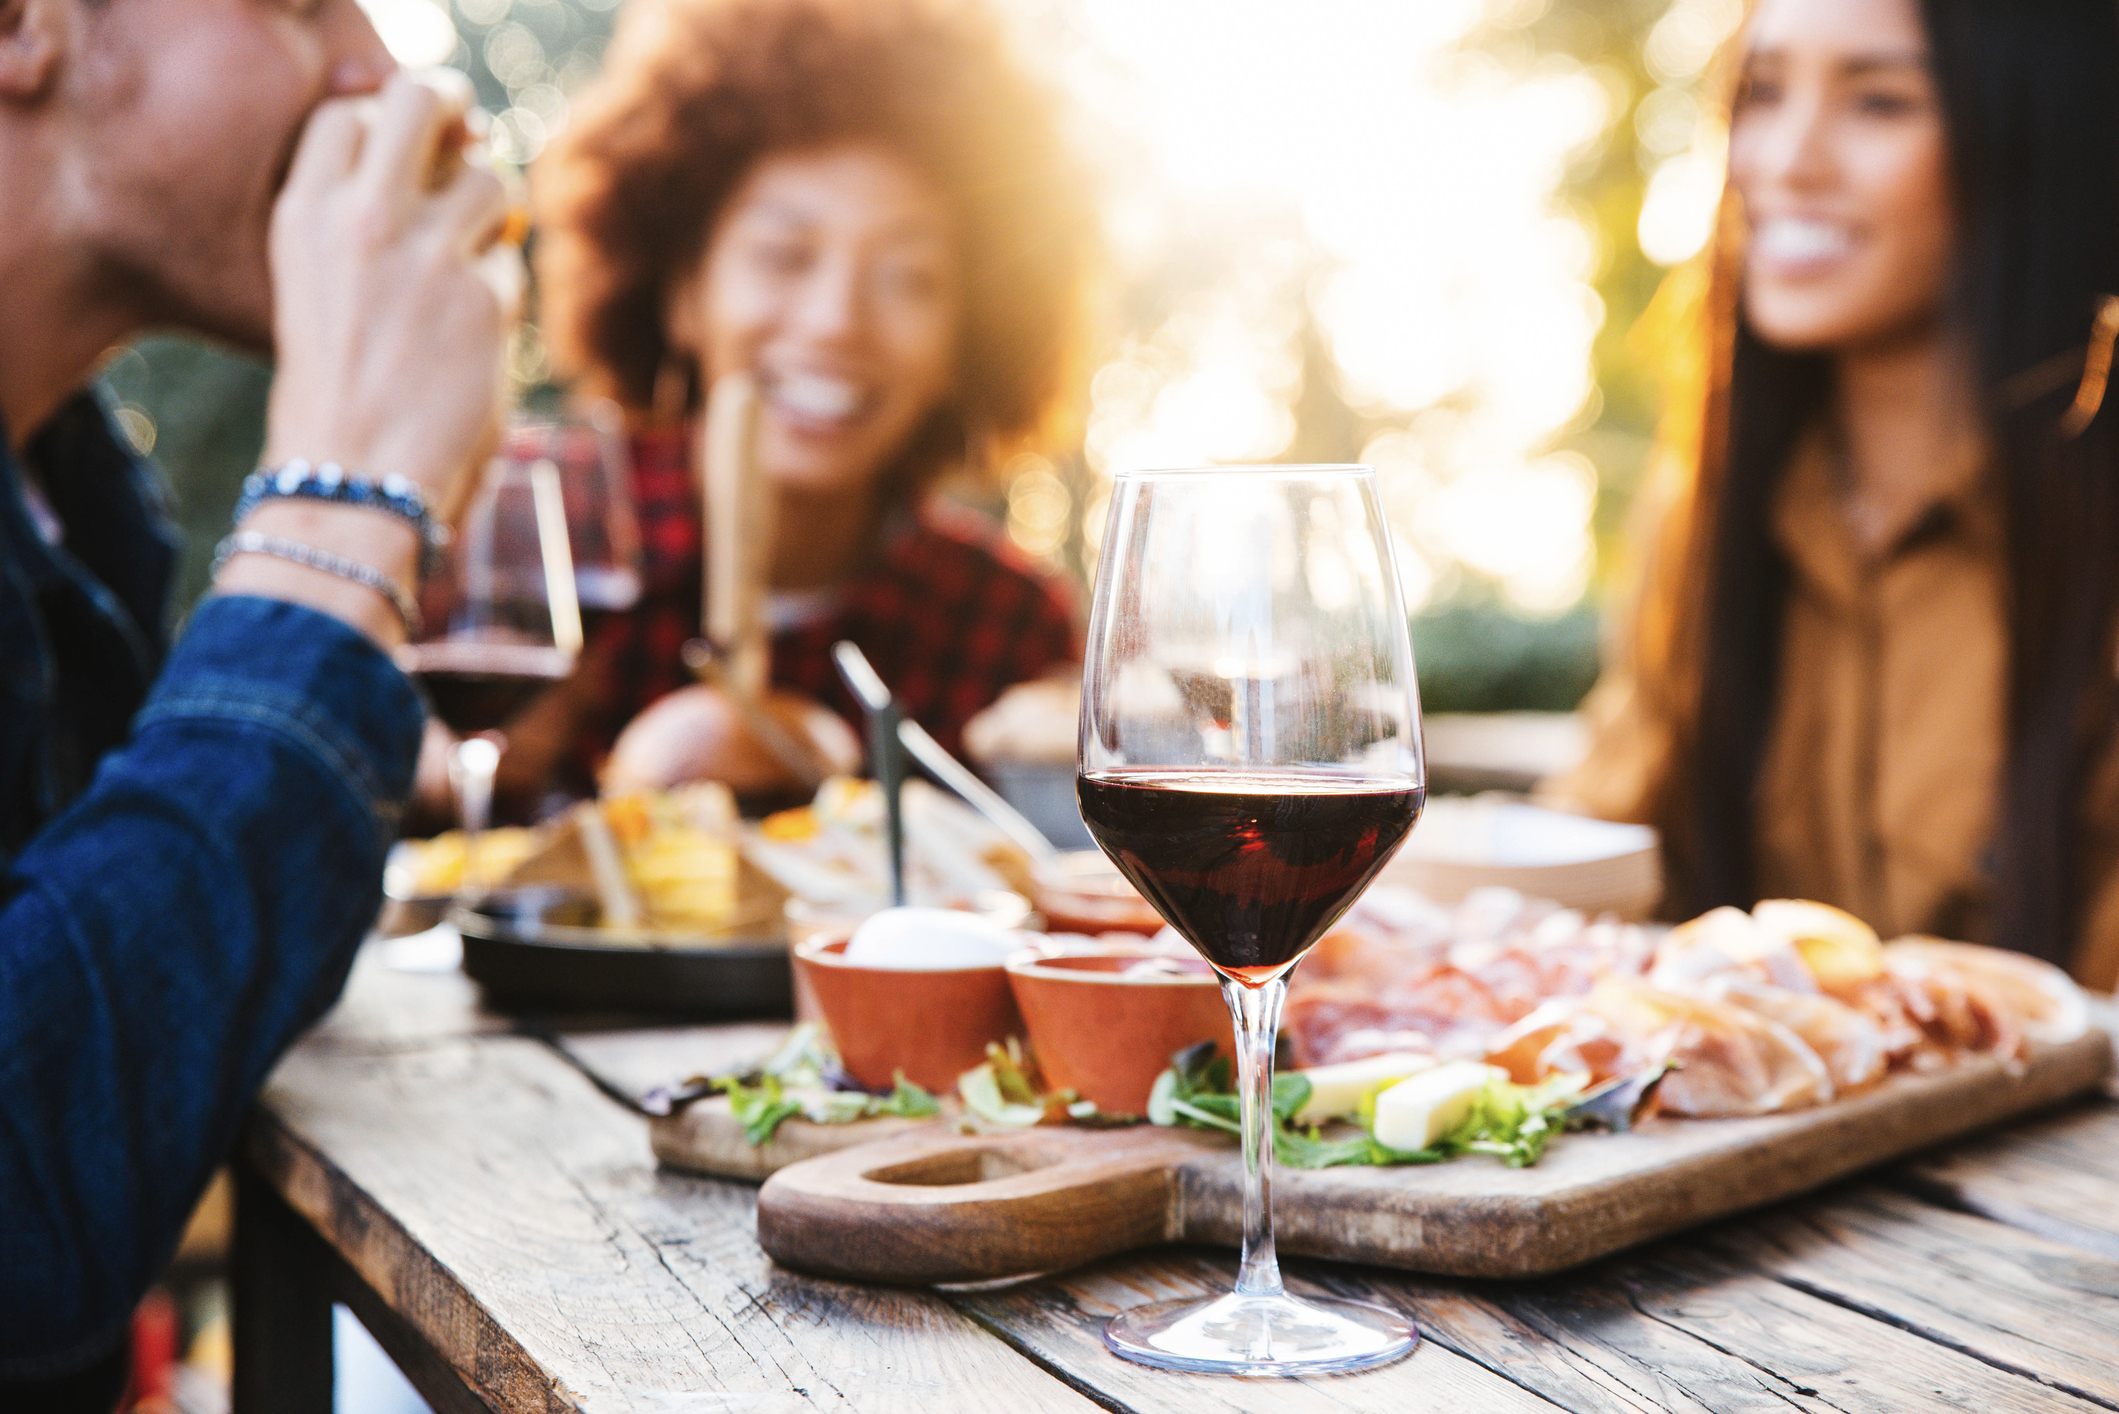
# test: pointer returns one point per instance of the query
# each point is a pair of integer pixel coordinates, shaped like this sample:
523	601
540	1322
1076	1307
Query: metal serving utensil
885	750
953	773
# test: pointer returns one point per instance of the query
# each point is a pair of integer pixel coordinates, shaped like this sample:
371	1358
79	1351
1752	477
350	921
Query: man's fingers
405	135
328	147
502	269
473	209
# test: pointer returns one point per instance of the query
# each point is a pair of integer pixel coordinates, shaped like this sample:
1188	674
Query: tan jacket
1878	789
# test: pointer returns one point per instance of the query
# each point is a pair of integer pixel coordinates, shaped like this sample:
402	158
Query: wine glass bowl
588	449
1250	758
502	620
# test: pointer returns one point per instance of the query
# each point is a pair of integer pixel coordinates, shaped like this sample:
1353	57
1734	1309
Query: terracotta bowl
1107	1035
934	1025
806	920
1082	892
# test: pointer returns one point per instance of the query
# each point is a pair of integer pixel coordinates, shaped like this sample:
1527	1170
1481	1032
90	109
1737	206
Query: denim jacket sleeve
166	937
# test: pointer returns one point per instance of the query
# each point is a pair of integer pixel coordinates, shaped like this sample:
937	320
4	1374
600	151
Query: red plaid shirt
950	613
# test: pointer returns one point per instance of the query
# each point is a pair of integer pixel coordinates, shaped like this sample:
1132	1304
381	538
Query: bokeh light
418	33
1354	192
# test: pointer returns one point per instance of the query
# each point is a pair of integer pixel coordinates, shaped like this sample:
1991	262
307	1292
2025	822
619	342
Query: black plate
529	949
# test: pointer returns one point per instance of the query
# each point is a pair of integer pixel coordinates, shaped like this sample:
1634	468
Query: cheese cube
1336	1090
1417	1111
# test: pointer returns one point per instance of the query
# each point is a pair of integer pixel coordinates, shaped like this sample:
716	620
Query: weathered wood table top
502	1227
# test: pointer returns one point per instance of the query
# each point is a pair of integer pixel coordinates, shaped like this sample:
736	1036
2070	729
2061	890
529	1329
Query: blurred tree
199	411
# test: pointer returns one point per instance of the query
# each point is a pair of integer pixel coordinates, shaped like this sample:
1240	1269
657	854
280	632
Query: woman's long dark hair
2029	91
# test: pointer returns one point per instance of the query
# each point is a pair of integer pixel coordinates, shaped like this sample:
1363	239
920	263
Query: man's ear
30	33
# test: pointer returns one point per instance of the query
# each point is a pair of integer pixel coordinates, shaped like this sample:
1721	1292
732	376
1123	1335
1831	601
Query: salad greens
1511	1122
1003	1092
762	1098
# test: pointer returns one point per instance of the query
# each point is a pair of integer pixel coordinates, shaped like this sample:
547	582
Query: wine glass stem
1256	1012
473	763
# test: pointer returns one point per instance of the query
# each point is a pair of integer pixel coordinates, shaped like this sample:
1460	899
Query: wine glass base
1261	1335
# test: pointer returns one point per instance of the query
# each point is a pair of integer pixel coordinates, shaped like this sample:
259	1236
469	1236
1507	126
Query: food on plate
1790	1005
2045	1005
451	862
1850	1042
931	939
1728	942
1841	951
831	851
1337	1091
1731	1060
699	870
802	1080
1418	1111
1402	973
1442	1112
697	734
680	855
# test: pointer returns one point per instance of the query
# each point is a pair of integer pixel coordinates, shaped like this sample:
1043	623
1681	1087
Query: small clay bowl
806	920
933	1025
1082	892
1106	1035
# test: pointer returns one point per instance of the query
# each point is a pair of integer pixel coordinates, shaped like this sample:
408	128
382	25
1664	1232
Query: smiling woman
1873	657
866	206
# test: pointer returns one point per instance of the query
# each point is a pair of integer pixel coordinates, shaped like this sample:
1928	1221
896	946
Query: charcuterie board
915	1202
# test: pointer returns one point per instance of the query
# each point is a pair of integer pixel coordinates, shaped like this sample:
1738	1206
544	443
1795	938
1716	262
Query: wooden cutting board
921	1203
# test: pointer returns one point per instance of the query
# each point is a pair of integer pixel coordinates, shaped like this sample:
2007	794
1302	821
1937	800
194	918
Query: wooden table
501	1228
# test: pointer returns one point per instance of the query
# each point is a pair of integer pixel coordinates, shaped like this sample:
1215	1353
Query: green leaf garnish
1511	1122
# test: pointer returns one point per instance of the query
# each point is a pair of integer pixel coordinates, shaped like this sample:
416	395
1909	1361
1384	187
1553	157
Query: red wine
475	684
1251	866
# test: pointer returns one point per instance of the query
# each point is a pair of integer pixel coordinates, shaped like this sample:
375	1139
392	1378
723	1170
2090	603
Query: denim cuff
313	679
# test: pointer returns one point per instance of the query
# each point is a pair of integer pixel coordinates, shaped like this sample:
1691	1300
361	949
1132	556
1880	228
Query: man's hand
392	297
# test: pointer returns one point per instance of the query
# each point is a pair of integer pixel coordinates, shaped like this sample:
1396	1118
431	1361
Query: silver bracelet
330	482
251	542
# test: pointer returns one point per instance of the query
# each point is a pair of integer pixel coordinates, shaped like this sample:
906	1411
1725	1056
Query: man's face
190	111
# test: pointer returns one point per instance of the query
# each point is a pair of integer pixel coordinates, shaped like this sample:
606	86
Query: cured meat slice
1840	950
1723	942
1732	1061
2042	1001
1342	1019
1784	1007
1849	1040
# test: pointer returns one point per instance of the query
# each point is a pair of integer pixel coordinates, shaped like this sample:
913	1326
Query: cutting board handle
954	1207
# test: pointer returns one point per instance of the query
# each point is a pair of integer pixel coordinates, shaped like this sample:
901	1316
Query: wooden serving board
923	1204
704	1137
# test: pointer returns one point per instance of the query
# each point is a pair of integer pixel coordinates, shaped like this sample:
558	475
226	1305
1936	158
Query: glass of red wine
1250	757
595	473
503	617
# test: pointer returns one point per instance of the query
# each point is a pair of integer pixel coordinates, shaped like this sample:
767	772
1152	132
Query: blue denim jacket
192	856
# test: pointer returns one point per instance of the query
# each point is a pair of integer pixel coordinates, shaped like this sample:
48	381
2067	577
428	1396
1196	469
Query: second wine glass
503	619
1250	757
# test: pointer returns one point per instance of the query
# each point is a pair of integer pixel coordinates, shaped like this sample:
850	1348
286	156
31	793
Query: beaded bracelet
251	542
393	495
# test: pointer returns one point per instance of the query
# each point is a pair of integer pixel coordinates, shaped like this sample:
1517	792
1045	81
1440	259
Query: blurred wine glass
596	481
502	620
1250	758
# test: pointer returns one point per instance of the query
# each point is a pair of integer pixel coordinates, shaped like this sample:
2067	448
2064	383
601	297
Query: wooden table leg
280	1279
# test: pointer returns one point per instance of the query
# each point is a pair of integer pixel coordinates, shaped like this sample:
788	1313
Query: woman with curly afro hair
869	207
